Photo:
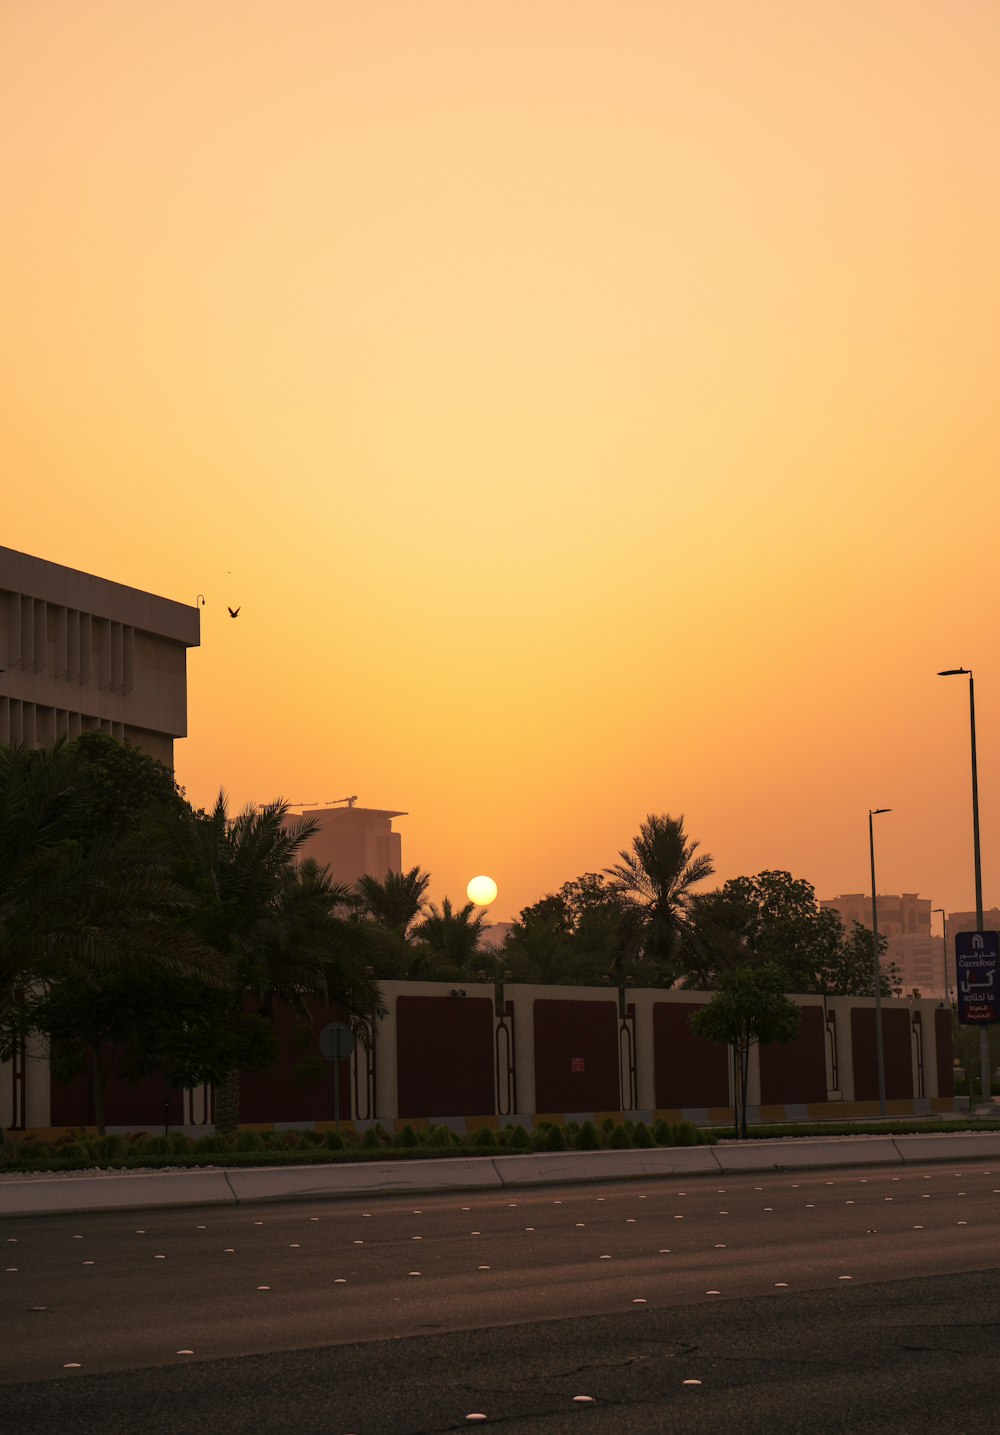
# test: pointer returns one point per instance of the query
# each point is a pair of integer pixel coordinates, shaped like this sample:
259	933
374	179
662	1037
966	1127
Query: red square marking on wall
576	1063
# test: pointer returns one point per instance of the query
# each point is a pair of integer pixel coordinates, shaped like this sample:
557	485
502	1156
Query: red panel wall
444	1056
795	1071
944	1054
576	1056
140	1106
689	1071
896	1049
284	1092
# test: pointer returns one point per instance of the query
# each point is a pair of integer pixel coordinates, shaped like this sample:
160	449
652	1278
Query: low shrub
484	1139
517	1138
405	1139
619	1139
108	1148
248	1141
549	1138
642	1137
155	1146
333	1141
178	1143
439	1137
587	1138
214	1141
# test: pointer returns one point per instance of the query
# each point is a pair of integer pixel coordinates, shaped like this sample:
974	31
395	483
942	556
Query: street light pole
876	957
984	1036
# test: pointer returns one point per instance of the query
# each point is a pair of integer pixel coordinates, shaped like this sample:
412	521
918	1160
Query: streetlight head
874	811
953	672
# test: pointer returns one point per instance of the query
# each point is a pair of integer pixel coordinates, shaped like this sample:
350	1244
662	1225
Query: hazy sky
593	408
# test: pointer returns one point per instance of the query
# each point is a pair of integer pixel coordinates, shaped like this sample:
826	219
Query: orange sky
593	408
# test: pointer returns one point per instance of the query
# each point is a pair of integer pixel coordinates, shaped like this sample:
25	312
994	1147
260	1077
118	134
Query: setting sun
482	891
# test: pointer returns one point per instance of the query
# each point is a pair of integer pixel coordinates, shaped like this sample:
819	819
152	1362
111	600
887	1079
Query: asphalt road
847	1301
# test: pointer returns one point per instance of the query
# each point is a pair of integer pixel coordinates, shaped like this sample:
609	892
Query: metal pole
984	1031
879	1053
336	1093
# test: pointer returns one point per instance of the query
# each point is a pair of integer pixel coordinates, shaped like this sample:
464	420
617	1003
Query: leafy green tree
88	905
770	919
851	971
654	881
749	1007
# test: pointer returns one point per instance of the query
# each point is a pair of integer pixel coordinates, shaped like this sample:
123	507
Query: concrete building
80	652
354	841
898	916
921	961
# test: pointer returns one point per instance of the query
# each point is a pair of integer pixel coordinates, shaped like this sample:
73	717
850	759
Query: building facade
80	653
898	916
354	842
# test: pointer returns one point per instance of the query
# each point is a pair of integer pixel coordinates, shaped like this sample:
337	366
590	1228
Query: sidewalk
66	1193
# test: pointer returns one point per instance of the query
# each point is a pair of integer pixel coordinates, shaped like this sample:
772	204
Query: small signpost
977	964
336	1042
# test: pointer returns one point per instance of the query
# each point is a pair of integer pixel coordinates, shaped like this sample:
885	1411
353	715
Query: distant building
921	962
495	933
905	915
81	653
354	842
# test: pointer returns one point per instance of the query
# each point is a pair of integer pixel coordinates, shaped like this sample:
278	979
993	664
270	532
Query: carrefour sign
977	964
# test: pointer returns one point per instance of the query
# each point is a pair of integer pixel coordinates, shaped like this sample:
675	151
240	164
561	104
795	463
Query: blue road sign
977	964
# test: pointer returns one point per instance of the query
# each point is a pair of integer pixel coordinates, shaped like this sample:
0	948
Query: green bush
371	1141
178	1143
333	1141
484	1139
642	1137
406	1138
248	1141
214	1142
688	1134
107	1148
439	1137
155	1146
608	1125
662	1133
619	1139
517	1138
549	1138
587	1138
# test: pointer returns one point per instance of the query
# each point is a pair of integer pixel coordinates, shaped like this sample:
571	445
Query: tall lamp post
984	1036
873	812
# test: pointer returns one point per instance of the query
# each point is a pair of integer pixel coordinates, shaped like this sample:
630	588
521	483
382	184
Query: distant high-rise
82	653
354	842
898	916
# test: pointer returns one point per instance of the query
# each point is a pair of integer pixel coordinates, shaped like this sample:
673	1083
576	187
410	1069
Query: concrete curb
795	1154
368	1178
138	1190
556	1166
112	1191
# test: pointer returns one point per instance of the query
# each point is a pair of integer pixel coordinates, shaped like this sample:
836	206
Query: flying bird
234	612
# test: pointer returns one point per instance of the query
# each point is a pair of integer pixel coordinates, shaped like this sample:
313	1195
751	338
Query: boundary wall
476	1054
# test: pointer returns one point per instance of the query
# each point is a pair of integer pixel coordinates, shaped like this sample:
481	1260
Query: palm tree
655	879
396	902
280	924
451	938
